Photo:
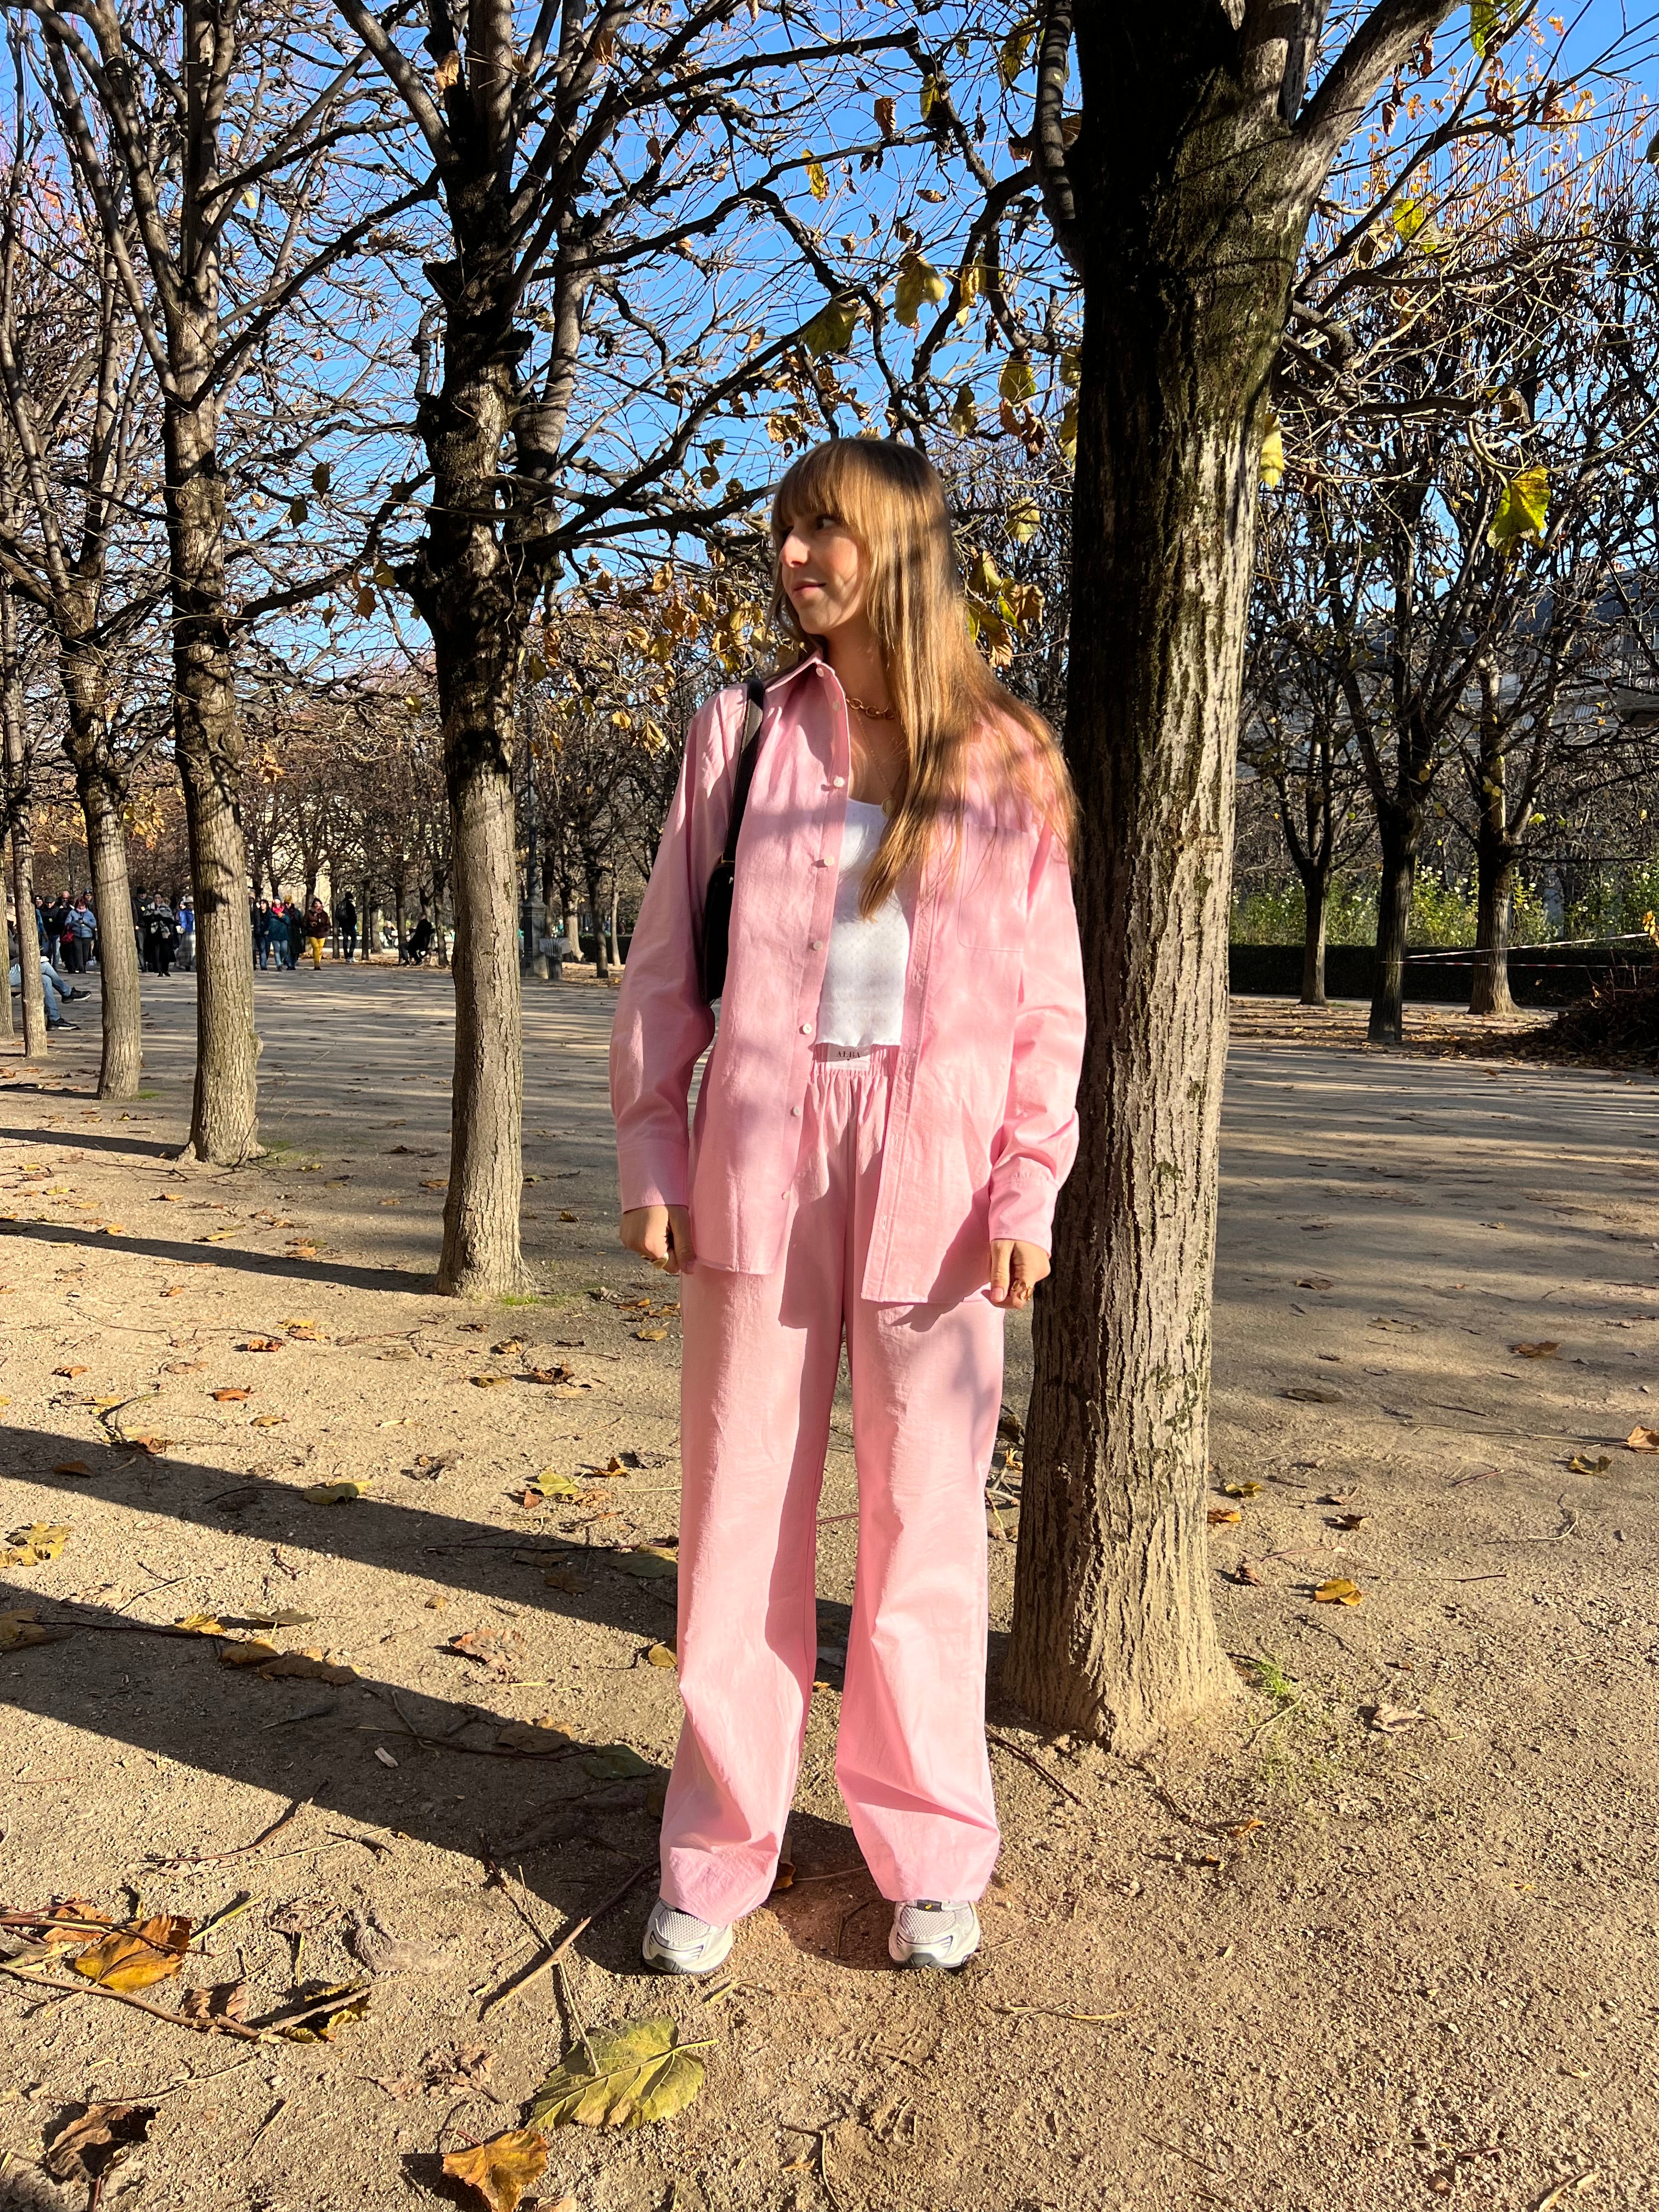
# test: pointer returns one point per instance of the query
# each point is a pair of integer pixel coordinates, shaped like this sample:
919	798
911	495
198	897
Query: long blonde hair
954	716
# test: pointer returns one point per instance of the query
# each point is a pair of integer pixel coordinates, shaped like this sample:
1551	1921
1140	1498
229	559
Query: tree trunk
615	940
1496	853
1113	1633
1400	839
1315	899
224	1124
19	799
117	952
481	1255
601	964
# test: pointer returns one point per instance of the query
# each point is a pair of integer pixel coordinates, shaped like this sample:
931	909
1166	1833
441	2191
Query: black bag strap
746	760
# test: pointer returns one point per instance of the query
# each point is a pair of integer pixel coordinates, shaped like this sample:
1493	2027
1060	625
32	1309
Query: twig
546	1964
175	2019
150	1592
280	2106
1014	1752
218	1858
280	2022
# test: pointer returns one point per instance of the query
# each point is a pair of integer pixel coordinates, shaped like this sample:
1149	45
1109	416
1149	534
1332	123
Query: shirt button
806	1028
794	1113
817	946
838	783
823	859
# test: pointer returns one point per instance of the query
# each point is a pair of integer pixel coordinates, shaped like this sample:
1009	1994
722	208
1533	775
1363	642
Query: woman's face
824	574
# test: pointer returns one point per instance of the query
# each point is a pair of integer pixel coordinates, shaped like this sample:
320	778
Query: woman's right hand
660	1234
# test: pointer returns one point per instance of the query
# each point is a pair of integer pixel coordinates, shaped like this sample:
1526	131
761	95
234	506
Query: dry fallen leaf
565	1214
661	1654
302	1329
222	2001
1642	1440
1245	1572
651	1336
641	2072
650	1562
248	1651
1222	1516
98	2140
307	1667
132	1958
1339	1591
338	1493
539	1738
269	1421
20	1631
201	1624
1390	1720
1546	1351
1241	1489
1579	1464
320	2027
229	1397
498	1654
261	1344
71	1466
69	1370
1313	1282
33	1545
1306	1395
489	1382
501	2169
1352	1520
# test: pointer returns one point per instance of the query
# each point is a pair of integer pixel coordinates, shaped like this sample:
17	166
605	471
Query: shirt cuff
1022	1205
658	1175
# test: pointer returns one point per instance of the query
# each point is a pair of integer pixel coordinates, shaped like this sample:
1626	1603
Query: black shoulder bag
717	899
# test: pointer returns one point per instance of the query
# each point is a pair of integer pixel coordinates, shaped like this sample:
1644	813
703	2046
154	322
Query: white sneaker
926	1932
677	1943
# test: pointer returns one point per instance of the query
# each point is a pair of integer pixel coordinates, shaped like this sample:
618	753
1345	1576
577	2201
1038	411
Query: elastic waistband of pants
846	1055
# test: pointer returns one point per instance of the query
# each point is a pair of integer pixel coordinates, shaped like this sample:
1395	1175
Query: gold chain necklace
875	713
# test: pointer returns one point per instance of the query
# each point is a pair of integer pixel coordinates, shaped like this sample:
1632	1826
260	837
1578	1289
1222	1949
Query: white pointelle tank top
862	1002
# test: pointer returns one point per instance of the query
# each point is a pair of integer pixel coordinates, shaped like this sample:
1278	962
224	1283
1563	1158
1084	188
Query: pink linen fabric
762	1353
982	1123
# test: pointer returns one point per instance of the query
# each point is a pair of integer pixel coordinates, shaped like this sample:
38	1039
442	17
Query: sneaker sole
929	1962
663	1962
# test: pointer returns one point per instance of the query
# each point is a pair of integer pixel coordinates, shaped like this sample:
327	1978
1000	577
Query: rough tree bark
1183	205
18	800
208	738
98	786
1498	853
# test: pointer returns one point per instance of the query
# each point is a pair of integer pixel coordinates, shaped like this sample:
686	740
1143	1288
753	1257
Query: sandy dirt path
1382	1932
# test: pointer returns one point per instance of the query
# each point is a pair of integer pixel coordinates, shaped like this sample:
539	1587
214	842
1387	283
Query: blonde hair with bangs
958	724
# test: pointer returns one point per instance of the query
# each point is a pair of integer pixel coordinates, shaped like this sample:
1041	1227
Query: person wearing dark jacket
317	926
345	920
296	932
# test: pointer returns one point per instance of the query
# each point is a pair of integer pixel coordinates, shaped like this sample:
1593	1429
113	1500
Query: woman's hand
660	1234
1015	1271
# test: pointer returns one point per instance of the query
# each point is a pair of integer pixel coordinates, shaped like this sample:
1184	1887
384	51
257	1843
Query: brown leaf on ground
650	1562
1245	1572
1353	1520
1390	1720
34	1546
651	1336
1545	1351
201	1624
488	1381
132	1958
501	2169
261	1344
1313	1283
508	1348
661	1654
559	1380
463	2066
302	1329
1222	1516
322	2026
20	1631
1241	1489
1307	1395
71	1466
307	1667
223	2001
78	1910
1339	1591
69	1370
338	1493
1642	1440
250	1651
496	1655
1579	1464
85	2150
229	1397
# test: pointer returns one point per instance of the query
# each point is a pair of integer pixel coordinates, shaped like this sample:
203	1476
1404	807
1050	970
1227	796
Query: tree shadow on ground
278	1268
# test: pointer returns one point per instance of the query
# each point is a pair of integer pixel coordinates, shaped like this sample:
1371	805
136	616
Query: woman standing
883	1124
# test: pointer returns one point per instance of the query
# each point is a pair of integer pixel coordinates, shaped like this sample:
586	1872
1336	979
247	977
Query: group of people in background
283	930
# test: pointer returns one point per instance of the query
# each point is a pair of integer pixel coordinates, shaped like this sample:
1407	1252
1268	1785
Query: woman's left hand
1015	1271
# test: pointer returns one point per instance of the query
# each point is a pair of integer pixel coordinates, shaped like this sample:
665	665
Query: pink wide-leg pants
762	1354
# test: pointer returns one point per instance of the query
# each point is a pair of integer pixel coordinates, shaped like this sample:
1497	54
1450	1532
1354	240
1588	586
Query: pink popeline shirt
982	1126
